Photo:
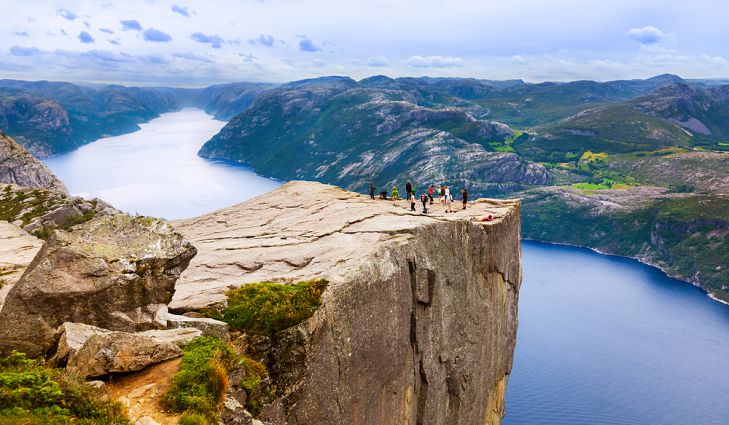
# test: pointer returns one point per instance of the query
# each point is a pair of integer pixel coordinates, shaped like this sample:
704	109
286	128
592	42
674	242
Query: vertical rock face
18	166
418	323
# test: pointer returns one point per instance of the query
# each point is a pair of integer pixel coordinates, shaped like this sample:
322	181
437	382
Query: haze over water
156	171
601	340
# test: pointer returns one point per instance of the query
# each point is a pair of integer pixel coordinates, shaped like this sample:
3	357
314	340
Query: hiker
372	191
383	195
395	195
440	193
430	194
446	195
408	188
424	199
464	194
448	199
412	201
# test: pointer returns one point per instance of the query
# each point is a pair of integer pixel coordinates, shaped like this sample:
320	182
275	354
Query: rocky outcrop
116	272
17	249
18	166
419	320
38	211
92	352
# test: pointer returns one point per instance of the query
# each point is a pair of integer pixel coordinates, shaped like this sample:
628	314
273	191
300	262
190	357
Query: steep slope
53	117
337	130
228	100
417	324
19	167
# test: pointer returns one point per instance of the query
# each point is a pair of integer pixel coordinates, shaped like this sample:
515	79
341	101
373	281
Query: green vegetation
31	393
266	308
590	186
199	387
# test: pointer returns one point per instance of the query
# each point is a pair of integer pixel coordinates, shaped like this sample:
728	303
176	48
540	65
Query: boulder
116	272
92	352
17	249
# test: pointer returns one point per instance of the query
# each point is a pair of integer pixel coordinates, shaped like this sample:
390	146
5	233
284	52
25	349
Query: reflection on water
156	170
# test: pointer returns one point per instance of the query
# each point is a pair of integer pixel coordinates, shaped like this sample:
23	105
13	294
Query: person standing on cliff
395	195
412	201
408	188
372	191
464	194
424	199
430	194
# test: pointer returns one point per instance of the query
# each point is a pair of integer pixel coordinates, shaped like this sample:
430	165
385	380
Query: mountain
228	100
54	117
677	115
338	130
19	167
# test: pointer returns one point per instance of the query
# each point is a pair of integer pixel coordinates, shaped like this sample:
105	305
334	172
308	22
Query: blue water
607	340
156	171
602	340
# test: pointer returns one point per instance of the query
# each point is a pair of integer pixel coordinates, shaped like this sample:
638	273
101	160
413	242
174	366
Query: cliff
417	324
18	166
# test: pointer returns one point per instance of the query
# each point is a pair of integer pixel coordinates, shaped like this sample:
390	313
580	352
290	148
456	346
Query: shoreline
655	266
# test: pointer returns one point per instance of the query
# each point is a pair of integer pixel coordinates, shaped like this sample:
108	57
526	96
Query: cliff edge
419	319
18	166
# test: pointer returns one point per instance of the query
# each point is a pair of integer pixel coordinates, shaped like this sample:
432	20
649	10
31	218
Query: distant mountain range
49	118
634	167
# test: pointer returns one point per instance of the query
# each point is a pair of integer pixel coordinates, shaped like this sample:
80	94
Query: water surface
607	340
156	171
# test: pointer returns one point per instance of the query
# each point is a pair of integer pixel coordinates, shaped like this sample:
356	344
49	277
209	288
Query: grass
31	393
590	186
199	386
266	308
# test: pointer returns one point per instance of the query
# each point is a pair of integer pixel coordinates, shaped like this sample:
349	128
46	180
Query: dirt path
142	391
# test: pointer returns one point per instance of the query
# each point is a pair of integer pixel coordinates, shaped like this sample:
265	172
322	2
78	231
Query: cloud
64	32
306	45
156	36
646	35
85	37
130	24
247	57
115	42
66	14
192	57
265	40
433	61
24	51
214	40
182	10
21	34
106	30
377	61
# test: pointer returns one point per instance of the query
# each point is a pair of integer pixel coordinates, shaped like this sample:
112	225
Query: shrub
199	386
255	374
266	308
31	393
193	419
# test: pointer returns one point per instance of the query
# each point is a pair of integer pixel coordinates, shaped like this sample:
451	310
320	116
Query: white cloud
377	61
433	61
646	35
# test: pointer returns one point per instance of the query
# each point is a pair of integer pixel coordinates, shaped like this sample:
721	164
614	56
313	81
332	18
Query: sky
202	42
